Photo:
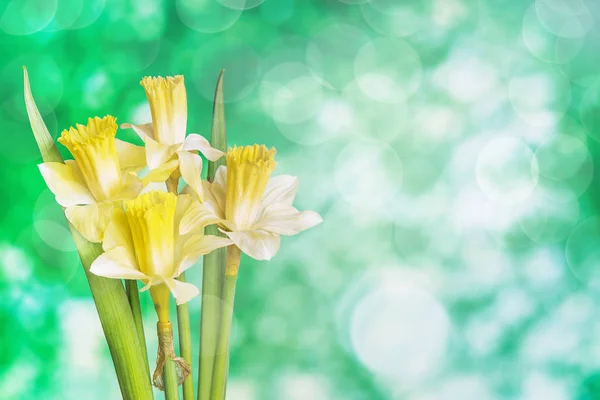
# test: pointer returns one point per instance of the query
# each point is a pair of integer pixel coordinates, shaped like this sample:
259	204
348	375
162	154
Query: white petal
182	291
66	182
199	245
142	130
91	220
280	189
131	157
191	171
259	245
196	142
196	217
283	219
157	153
114	264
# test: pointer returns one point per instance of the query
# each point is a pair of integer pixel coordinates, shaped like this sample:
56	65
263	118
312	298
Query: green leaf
115	314
213	272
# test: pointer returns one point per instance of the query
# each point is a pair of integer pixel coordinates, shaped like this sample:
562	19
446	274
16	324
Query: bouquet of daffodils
143	213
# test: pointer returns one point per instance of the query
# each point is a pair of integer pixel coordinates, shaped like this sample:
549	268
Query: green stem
185	344
170	381
219	380
109	296
213	263
133	296
212	279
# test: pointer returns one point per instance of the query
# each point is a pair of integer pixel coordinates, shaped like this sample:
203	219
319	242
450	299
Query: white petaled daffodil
100	176
249	206
167	147
143	242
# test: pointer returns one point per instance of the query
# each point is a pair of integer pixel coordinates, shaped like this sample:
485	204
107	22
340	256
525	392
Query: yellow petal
283	219
182	291
67	184
115	264
91	220
191	170
168	105
131	157
161	173
259	245
199	245
196	142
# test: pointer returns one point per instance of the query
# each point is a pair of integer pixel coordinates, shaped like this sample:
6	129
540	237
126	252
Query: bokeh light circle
566	18
241	64
401	20
241	4
207	16
539	95
371	119
582	251
561	156
91	11
399	331
368	175
545	45
388	70
331	51
550	214
25	17
589	111
507	170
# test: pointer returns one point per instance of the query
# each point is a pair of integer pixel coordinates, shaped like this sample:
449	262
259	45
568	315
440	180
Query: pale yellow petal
196	142
142	130
181	291
219	186
131	157
157	153
196	217
131	187
161	173
191	170
259	245
280	189
91	220
118	234
66	183
283	219
199	245
115	264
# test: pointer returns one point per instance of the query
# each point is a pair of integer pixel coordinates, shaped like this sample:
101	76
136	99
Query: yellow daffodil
144	242
167	147
252	208
102	173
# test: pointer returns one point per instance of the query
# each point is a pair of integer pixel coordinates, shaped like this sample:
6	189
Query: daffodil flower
167	146
101	174
252	208
144	242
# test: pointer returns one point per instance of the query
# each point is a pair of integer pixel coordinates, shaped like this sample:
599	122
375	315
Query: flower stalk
219	381
133	296
213	263
109	295
185	344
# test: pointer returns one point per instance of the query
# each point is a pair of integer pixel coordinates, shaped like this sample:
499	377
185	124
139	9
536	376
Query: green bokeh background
448	144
